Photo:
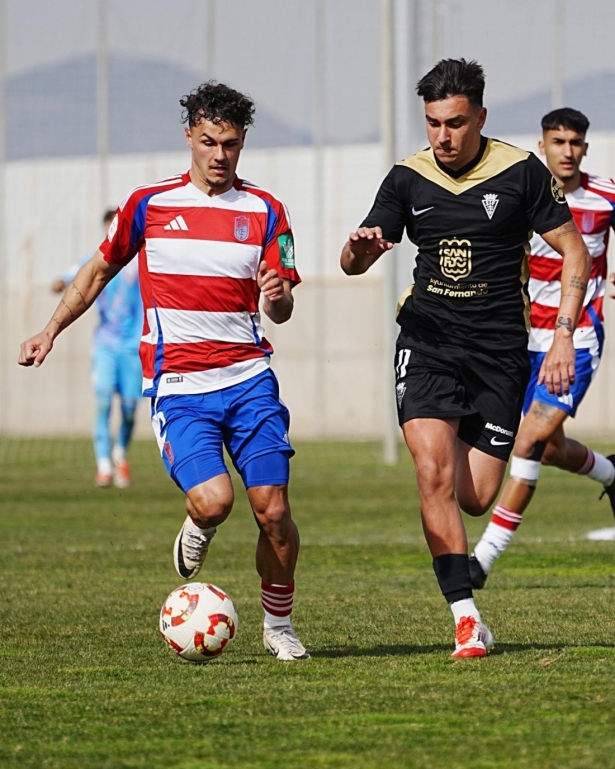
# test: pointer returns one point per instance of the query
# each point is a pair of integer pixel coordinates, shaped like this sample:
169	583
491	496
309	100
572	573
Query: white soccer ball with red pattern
198	621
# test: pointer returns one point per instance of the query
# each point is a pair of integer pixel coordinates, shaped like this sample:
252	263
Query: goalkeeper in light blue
116	367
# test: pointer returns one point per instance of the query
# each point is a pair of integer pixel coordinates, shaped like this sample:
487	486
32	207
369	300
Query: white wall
328	357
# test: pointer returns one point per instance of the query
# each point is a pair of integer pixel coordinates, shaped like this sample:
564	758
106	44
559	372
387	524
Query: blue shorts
586	365
249	419
116	371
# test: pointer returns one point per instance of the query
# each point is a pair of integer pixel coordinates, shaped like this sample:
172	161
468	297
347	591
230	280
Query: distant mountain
593	95
51	112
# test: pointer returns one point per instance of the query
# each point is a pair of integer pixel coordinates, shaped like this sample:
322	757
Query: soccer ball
198	621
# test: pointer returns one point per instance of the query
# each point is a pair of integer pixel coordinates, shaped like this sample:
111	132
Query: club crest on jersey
242	228
587	221
490	202
557	192
455	258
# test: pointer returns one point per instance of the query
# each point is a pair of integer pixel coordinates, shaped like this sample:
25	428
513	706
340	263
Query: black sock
453	575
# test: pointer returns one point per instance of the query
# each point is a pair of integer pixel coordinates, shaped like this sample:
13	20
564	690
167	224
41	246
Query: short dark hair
453	77
565	117
219	104
108	215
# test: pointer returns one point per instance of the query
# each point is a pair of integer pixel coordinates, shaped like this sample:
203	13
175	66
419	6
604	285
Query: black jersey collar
468	166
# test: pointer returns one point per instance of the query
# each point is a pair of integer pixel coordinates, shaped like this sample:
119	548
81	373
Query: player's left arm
277	273
558	367
278	295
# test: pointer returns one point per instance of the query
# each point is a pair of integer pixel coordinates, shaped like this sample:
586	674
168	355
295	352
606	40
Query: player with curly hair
209	244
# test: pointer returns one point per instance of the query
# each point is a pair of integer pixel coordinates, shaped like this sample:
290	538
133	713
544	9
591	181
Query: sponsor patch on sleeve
287	251
112	229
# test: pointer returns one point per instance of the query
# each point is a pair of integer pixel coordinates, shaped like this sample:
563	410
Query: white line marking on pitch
602	535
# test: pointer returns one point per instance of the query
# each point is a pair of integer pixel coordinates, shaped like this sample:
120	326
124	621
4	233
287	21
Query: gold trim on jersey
402	299
525	276
496	158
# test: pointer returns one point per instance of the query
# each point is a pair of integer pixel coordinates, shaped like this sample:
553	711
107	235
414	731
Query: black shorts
484	389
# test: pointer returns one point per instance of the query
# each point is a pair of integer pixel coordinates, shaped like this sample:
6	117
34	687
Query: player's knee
433	478
104	400
527	447
475	497
474	505
209	508
129	408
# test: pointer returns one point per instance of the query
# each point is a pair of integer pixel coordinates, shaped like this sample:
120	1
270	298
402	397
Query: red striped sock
588	465
497	536
277	601
598	468
506	518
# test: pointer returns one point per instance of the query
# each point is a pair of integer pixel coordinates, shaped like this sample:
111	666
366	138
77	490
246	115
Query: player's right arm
363	248
382	228
60	284
79	296
123	241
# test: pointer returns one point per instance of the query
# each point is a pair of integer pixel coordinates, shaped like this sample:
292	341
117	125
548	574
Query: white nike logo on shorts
422	211
496	442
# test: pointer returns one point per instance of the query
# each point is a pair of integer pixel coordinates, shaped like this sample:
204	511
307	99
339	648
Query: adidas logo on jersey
176	224
490	202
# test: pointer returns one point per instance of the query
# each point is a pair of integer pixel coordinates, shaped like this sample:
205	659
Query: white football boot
190	548
473	638
283	644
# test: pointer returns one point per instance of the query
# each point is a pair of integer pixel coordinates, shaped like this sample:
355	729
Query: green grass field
86	681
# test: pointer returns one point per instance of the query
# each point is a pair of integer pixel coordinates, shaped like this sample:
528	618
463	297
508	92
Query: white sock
598	468
118	454
104	466
464	608
272	621
497	536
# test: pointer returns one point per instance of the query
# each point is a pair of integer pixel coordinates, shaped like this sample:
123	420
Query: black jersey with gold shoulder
472	229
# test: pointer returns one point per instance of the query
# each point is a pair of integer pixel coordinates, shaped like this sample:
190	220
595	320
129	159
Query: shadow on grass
501	648
397	650
409	650
607	582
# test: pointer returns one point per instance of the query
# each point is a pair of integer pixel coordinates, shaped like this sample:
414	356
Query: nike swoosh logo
422	211
495	442
185	572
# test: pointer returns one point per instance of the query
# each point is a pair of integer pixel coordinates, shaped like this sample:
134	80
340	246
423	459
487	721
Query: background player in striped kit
591	200
116	367
208	245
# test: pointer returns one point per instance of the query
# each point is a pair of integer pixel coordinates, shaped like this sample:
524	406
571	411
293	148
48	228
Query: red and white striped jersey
593	208
198	261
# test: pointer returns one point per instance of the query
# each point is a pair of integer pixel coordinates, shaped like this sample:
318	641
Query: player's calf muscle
270	506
